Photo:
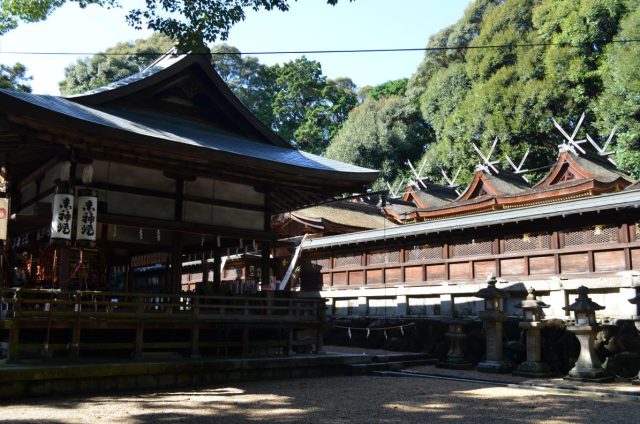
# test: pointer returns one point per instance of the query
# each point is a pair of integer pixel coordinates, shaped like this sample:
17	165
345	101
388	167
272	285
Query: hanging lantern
62	218
87	217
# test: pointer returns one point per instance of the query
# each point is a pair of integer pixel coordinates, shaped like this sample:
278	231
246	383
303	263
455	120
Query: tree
15	78
193	23
117	62
619	105
253	82
570	66
308	109
382	134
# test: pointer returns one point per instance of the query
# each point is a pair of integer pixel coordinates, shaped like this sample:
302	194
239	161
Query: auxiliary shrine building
579	225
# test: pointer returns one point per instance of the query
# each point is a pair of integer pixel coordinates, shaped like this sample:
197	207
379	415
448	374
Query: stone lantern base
595	375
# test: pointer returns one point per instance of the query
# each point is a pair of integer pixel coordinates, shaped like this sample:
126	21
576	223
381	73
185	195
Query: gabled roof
486	184
570	167
179	115
433	195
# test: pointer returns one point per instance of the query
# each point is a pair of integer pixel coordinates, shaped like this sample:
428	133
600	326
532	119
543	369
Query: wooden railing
25	303
250	324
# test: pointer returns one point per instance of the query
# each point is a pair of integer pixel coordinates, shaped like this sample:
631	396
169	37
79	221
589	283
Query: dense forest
504	70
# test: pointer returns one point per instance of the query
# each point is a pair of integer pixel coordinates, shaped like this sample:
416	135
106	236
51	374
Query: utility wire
337	51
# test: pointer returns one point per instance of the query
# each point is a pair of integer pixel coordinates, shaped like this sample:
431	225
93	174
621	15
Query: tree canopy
193	23
15	77
569	66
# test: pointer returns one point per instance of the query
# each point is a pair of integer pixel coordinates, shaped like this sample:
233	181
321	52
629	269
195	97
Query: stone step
365	369
401	357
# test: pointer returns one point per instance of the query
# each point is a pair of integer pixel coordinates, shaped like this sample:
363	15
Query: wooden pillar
176	252
217	262
195	329
64	260
265	245
176	264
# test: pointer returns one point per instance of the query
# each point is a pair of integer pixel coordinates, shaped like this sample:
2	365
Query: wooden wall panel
326	280
339	278
574	262
612	260
356	278
374	276
393	275
542	265
512	266
413	274
436	272
635	258
483	268
459	270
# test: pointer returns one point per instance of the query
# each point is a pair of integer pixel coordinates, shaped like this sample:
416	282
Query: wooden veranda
43	323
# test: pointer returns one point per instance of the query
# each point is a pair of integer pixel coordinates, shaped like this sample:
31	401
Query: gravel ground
363	399
358	400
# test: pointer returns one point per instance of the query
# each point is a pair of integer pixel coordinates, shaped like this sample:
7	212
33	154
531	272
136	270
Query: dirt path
357	400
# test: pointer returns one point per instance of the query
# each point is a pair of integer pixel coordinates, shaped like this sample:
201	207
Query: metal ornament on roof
518	170
570	143
487	165
395	191
418	174
602	151
451	182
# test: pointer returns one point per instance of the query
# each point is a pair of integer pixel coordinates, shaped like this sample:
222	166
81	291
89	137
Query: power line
337	51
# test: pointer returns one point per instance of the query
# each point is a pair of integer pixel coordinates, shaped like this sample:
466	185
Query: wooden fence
48	322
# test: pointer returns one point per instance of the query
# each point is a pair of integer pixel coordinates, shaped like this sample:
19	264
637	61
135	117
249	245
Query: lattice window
383	257
527	241
471	248
321	263
347	260
637	231
421	252
596	234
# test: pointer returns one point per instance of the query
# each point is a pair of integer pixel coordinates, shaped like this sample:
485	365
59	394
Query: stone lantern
588	367
636	301
493	316
456	335
533	323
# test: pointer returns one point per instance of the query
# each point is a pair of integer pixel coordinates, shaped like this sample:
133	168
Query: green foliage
513	92
193	23
619	104
308	109
381	134
120	61
14	78
390	88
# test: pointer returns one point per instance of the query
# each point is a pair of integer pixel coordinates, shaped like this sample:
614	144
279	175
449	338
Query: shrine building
578	225
106	194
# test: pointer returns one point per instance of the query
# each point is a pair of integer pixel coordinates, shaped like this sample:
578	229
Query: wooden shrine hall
105	193
577	225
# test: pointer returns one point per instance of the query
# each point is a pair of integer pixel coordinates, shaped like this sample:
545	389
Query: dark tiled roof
184	132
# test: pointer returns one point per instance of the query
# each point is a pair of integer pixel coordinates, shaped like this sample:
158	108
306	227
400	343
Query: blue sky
309	25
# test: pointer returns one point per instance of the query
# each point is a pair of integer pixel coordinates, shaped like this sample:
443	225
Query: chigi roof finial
487	164
570	144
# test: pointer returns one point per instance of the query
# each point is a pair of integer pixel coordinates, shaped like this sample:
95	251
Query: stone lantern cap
583	303
635	300
531	302
491	292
